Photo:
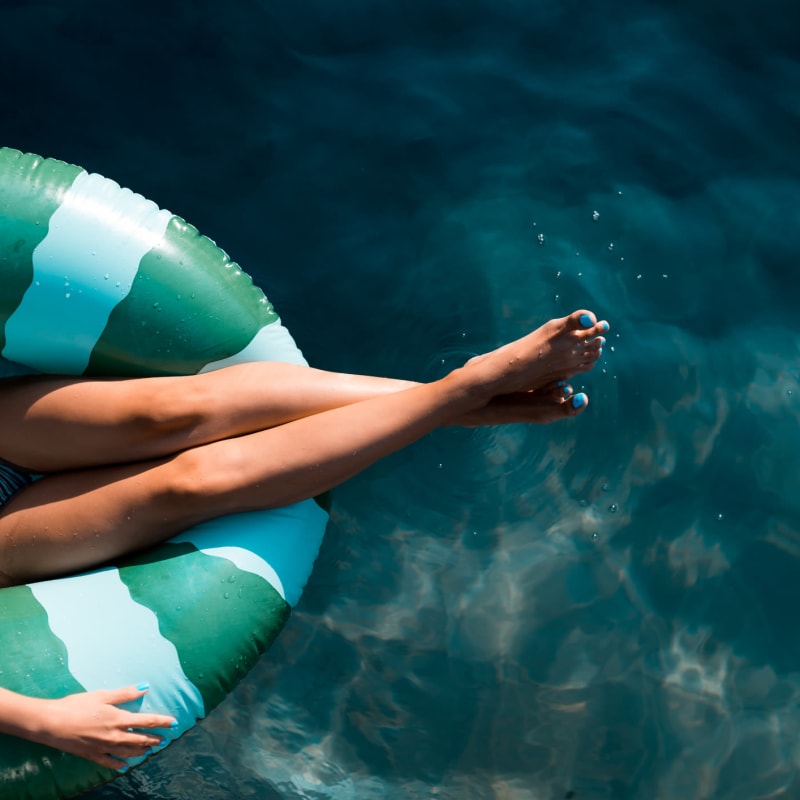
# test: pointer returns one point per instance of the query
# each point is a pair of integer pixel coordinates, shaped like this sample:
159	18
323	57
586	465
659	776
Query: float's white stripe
280	545
272	343
112	641
81	270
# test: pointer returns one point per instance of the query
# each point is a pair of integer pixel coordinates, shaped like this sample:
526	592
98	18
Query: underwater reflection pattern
605	608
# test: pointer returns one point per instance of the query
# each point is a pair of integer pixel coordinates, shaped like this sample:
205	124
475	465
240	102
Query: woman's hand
88	724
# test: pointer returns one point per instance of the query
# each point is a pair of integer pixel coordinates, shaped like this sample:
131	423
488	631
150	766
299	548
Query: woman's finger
133	720
115	697
107	760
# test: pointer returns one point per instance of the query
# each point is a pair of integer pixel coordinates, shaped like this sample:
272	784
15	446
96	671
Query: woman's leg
75	520
52	424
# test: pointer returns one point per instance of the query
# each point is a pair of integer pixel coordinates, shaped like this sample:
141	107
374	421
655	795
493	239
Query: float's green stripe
165	327
40	670
31	771
219	618
33	188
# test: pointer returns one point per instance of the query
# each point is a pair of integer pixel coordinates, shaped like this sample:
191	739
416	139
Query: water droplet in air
606	487
540	238
594	536
613	508
595	215
789	392
719	517
610	246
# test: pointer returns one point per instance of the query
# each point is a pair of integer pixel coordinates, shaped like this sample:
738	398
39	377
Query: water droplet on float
595	216
540	238
106	277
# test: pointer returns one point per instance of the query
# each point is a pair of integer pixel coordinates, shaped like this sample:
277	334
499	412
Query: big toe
576	404
586	323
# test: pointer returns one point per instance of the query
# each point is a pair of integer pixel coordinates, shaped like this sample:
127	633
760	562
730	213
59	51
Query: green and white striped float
97	280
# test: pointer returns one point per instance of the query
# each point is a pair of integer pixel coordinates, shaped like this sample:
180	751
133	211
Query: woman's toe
577	403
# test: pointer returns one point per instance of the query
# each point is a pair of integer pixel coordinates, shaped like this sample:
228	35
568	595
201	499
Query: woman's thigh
72	521
49	424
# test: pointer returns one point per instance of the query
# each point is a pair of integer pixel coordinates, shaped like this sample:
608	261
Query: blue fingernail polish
586	321
579	400
142	687
125	768
174	724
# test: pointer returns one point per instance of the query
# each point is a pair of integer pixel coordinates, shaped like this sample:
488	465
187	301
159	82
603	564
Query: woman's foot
565	346
551	403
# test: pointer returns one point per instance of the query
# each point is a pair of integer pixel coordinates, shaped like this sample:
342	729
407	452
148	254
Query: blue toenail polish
586	321
579	401
606	326
559	383
567	389
600	352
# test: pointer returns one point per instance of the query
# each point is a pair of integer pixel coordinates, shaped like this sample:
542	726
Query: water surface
601	609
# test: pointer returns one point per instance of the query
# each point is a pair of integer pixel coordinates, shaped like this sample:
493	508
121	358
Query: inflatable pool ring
96	280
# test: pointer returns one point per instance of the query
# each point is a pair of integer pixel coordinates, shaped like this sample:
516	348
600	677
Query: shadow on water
600	609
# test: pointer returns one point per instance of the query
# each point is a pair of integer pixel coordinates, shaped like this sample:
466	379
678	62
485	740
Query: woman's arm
88	724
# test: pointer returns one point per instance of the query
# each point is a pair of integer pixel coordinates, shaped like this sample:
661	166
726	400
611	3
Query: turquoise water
601	609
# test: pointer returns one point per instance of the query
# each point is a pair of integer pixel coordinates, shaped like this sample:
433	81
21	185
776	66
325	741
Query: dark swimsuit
12	480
